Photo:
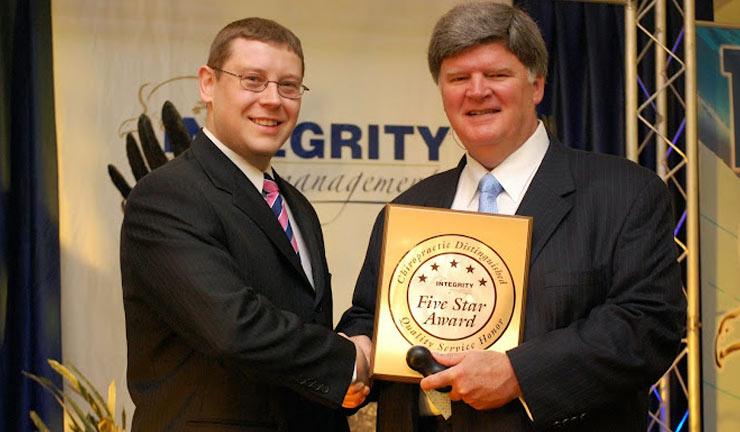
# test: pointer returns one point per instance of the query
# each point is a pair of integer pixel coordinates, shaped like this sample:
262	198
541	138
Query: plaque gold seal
450	281
452	293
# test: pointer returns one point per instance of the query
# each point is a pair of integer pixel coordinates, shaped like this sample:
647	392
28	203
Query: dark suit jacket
604	306
224	330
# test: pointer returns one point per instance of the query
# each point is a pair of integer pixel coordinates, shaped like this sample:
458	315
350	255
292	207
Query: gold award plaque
451	281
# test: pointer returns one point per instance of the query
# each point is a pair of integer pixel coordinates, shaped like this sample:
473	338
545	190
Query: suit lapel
251	202
445	188
310	233
545	199
227	177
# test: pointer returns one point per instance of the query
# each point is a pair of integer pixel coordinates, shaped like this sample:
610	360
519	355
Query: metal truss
650	134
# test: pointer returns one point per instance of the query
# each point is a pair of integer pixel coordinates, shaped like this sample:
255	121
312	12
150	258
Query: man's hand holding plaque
481	379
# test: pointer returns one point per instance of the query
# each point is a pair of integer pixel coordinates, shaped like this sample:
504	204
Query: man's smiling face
490	100
254	125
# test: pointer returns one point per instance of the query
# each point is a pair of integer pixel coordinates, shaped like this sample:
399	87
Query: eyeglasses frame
267	82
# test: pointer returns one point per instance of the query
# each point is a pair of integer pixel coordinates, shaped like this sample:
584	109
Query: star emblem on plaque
447	288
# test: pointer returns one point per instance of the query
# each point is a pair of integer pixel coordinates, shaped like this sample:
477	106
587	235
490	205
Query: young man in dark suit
225	282
604	306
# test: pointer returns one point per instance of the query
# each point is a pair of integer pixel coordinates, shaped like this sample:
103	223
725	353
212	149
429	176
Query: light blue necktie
489	189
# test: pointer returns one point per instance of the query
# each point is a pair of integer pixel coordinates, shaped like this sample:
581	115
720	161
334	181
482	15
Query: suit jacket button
319	309
325	390
583	416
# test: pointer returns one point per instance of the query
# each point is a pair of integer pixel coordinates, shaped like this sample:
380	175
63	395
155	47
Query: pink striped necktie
275	201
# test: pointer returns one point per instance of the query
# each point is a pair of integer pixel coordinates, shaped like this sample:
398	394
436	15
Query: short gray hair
473	24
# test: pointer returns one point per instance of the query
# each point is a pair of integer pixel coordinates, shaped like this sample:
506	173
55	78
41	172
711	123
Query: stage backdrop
718	79
371	125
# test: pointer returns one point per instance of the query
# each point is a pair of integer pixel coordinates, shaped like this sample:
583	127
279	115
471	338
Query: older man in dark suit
604	307
226	288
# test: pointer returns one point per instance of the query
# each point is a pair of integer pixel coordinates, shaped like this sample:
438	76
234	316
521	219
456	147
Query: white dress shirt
515	174
257	178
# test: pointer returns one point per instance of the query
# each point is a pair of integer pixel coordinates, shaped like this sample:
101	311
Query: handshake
360	387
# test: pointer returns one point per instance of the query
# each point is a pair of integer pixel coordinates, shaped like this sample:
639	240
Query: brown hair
254	28
473	24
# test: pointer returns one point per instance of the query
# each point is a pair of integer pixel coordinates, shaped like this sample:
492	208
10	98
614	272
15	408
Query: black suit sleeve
175	263
627	342
360	317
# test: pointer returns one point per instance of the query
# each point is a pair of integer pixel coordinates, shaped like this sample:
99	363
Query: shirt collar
515	172
255	176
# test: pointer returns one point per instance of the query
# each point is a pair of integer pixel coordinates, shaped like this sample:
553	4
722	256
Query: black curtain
30	330
584	93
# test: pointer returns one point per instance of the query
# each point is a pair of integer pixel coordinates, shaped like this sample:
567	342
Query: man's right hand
482	379
360	387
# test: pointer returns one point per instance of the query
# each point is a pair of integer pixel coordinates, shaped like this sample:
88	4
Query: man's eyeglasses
257	83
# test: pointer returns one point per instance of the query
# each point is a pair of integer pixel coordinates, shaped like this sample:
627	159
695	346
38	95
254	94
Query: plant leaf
112	399
66	374
79	384
80	389
62	398
70	403
58	394
95	392
40	425
96	407
107	425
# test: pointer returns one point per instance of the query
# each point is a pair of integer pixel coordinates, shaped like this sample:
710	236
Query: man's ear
207	82
538	89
